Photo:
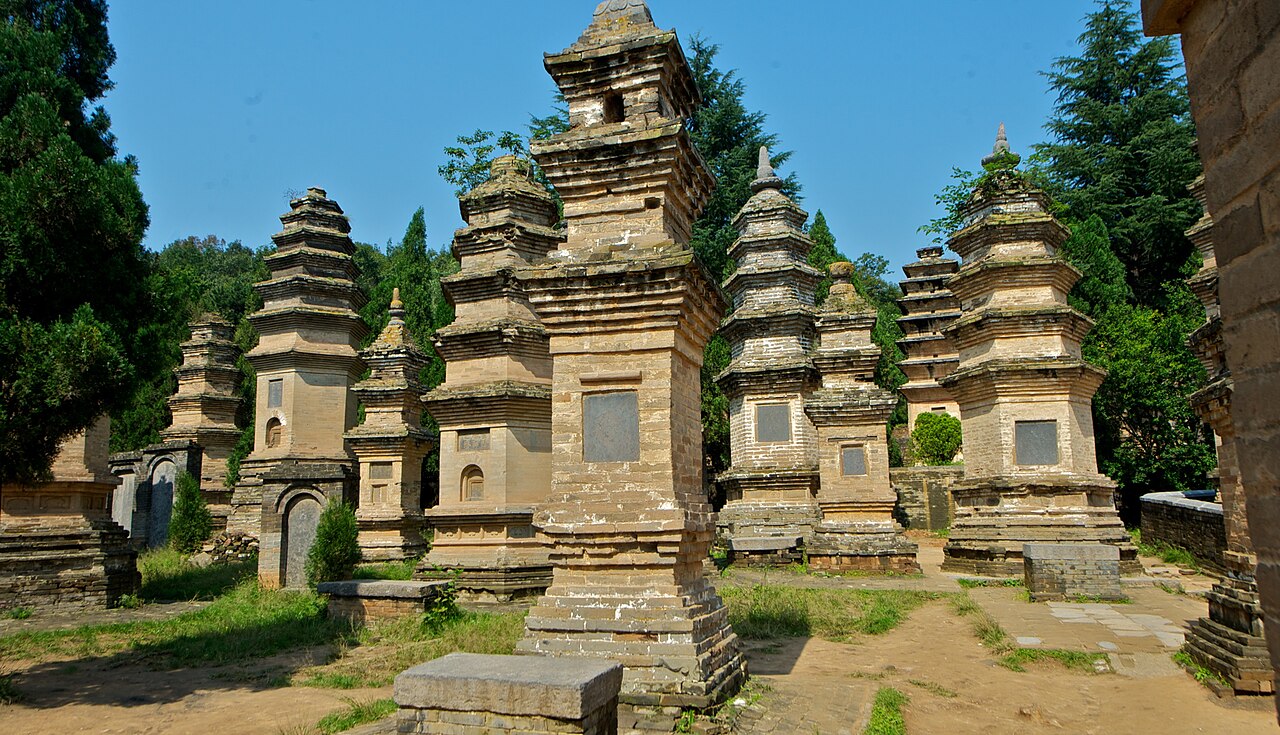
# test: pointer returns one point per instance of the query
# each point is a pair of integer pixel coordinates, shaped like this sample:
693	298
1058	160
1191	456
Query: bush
936	438
192	523
336	551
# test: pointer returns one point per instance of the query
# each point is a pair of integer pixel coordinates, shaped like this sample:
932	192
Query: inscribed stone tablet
275	393
773	422
853	461
610	427
473	441
380	471
1035	442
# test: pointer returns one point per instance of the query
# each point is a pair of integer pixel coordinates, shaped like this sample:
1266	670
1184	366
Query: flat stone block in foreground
1062	571
483	694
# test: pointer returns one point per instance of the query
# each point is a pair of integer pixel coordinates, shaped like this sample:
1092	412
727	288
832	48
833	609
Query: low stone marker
767	550
362	600
1064	571
530	695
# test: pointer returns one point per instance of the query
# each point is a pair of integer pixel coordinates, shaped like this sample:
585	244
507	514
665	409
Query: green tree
1123	146
936	438
72	274
192	523
335	552
1102	282
823	254
466	164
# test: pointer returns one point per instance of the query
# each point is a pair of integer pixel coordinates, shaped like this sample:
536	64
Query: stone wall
66	569
1177	520
924	495
1065	571
363	601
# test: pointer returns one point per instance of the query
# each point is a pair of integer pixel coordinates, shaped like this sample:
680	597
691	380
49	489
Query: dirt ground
808	685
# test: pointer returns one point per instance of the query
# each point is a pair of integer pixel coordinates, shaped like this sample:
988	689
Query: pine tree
192	523
823	254
72	272
1124	146
1102	283
335	552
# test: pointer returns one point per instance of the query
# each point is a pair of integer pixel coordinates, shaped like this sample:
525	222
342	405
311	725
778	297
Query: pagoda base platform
996	515
66	565
767	533
491	552
872	546
1230	642
393	538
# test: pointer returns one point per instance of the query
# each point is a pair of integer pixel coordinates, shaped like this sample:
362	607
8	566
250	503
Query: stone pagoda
59	547
205	405
307	361
391	444
771	486
494	407
928	308
1230	641
629	309
850	413
1024	392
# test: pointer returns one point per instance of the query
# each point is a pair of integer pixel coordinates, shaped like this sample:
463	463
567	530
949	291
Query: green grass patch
386	570
168	575
985	627
943	532
1166	553
762	612
356	713
886	713
933	688
246	623
374	655
1082	661
18	613
974	583
1201	674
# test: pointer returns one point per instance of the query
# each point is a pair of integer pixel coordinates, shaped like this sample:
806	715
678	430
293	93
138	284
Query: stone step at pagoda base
745	519
674	640
864	547
390	540
481	583
1240	658
766	551
66	568
1234	602
988	541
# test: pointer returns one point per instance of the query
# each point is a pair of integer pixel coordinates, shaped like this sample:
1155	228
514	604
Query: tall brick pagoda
771	486
1230	640
928	308
59	547
494	407
629	309
391	444
850	413
306	361
205	405
1024	391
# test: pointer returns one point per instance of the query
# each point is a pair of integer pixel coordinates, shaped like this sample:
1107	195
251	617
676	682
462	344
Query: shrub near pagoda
192	523
936	438
336	550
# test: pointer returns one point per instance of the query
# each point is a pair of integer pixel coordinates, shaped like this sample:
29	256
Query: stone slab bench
1064	571
484	694
363	600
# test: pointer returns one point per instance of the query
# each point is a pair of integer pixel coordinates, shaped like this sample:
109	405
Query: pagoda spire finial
765	177
397	306
1000	152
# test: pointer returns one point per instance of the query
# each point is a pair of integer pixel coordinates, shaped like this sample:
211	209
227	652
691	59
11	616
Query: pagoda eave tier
925	273
1008	227
312	260
1024	377
488	403
941	299
197	401
996	275
471	286
989	325
364	436
923	339
663	288
491	338
804	276
291	319
855	360
318	289
521	238
317	239
771	478
782	319
770	236
846	406
768	376
201	434
338	358
626	161
587	67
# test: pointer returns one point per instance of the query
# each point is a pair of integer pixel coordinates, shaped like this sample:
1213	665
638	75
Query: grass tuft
1166	553
763	612
886	713
386	570
356	713
1201	674
969	584
1082	661
933	688
167	575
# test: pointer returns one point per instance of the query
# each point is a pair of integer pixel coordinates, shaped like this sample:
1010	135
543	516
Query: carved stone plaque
853	461
380	471
610	427
476	440
1035	442
275	393
773	422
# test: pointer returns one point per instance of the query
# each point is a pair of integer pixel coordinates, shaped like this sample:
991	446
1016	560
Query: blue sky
230	105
